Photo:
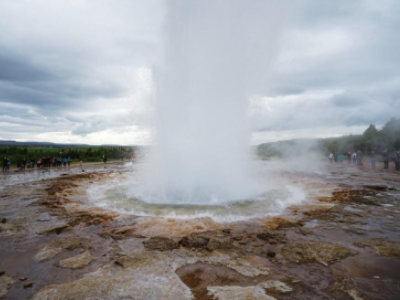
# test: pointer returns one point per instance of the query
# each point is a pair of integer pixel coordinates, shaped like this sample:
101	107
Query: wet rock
197	239
56	228
210	240
324	253
77	262
381	246
121	233
271	254
217	242
23	278
28	285
238	293
160	243
3	220
149	275
377	187
306	231
2	273
272	236
351	196
5	284
57	246
280	222
346	286
276	285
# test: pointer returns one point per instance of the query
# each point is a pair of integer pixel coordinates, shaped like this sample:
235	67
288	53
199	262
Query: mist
216	55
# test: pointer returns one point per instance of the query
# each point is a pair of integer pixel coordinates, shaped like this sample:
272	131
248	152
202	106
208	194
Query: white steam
217	54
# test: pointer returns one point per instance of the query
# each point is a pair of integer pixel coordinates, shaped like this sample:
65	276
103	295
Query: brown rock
77	262
121	233
324	253
382	247
272	236
197	239
56	228
280	222
57	246
216	242
160	243
28	285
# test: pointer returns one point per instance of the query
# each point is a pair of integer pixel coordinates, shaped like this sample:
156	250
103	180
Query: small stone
3	220
2	273
28	285
77	262
271	254
23	278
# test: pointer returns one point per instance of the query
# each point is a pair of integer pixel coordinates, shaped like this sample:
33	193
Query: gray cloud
75	67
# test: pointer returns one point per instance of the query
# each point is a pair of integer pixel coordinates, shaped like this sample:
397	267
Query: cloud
82	69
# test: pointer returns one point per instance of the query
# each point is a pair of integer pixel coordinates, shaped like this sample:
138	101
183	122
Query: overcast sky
81	70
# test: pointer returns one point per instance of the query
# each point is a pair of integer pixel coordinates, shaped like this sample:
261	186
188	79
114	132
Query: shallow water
128	194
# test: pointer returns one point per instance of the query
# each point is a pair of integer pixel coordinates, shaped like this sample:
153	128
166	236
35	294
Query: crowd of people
43	162
356	158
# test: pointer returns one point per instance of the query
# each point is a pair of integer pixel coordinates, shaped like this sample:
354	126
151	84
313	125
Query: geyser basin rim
271	203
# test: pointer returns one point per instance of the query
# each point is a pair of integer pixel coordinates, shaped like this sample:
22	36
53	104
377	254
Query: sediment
343	243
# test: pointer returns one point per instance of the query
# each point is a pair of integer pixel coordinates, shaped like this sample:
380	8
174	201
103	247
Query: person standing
69	161
373	160
397	160
104	158
331	158
359	158
5	165
385	156
80	162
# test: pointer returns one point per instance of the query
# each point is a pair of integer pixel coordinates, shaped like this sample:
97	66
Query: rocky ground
343	244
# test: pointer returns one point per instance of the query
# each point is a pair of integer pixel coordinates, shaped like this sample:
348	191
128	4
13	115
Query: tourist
373	160
24	162
397	160
5	165
340	158
349	158
104	158
385	156
354	158
359	158
331	158
69	161
64	160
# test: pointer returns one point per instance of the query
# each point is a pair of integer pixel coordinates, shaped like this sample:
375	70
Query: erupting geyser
216	55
